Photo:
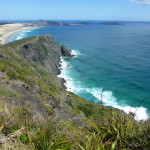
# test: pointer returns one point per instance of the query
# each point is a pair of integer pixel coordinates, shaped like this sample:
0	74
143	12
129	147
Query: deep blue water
113	57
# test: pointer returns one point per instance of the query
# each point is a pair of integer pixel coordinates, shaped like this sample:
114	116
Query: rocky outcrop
28	80
65	51
1	56
45	51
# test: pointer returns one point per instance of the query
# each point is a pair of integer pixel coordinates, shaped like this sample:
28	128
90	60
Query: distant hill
41	23
111	23
3	23
84	23
49	23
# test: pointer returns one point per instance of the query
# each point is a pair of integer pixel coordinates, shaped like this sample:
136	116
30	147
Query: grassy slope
41	114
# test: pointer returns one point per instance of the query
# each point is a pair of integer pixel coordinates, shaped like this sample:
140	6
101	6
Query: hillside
41	23
36	112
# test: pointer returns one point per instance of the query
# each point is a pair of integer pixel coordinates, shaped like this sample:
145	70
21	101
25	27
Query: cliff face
45	51
28	73
28	76
31	66
33	98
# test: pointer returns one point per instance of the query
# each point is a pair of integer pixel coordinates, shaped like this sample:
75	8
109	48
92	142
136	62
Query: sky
128	10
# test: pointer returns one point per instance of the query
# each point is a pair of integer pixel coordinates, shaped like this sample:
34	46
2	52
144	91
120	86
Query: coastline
68	83
63	65
9	29
141	113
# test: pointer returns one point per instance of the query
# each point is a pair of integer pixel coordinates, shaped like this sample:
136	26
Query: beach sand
8	29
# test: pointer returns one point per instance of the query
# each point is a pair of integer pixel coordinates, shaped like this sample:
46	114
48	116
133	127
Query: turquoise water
116	58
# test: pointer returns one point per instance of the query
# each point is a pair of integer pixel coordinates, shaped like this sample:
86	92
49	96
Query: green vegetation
120	132
37	113
18	68
8	93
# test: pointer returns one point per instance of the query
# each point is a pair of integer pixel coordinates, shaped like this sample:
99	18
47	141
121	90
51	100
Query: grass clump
9	93
2	68
48	109
86	109
32	135
119	133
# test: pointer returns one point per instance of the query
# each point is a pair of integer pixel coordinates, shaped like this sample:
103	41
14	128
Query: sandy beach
8	29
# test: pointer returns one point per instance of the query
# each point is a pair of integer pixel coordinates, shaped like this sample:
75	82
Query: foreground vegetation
119	132
37	113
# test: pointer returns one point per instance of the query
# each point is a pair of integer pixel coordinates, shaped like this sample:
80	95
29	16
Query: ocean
111	65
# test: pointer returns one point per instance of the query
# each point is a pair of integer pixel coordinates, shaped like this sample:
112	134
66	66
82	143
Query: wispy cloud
147	2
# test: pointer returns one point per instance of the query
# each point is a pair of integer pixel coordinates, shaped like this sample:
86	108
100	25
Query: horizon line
73	20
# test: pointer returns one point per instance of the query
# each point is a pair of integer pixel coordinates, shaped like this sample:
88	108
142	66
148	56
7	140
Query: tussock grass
9	93
120	132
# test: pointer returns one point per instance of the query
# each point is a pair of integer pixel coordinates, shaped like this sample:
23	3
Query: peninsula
36	111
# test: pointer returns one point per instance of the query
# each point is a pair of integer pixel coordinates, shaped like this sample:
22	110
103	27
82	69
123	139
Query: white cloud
141	1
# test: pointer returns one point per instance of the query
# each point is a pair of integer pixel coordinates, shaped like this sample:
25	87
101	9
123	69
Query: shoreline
63	66
141	113
11	33
6	31
67	81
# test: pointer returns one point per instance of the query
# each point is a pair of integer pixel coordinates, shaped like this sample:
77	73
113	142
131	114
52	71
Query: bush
86	109
2	68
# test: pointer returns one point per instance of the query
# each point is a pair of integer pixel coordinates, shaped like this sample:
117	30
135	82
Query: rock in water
65	51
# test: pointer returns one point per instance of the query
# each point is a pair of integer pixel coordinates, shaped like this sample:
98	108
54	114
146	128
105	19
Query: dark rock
26	46
63	81
34	59
23	84
1	56
65	51
26	87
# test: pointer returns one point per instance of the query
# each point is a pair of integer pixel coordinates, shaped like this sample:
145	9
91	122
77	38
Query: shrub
2	68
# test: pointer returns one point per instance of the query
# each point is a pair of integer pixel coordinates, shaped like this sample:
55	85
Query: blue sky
132	10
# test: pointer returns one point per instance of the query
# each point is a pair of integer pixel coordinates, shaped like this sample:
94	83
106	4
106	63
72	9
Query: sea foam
20	34
64	71
106	97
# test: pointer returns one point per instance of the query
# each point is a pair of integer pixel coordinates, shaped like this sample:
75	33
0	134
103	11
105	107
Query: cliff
29	68
36	112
